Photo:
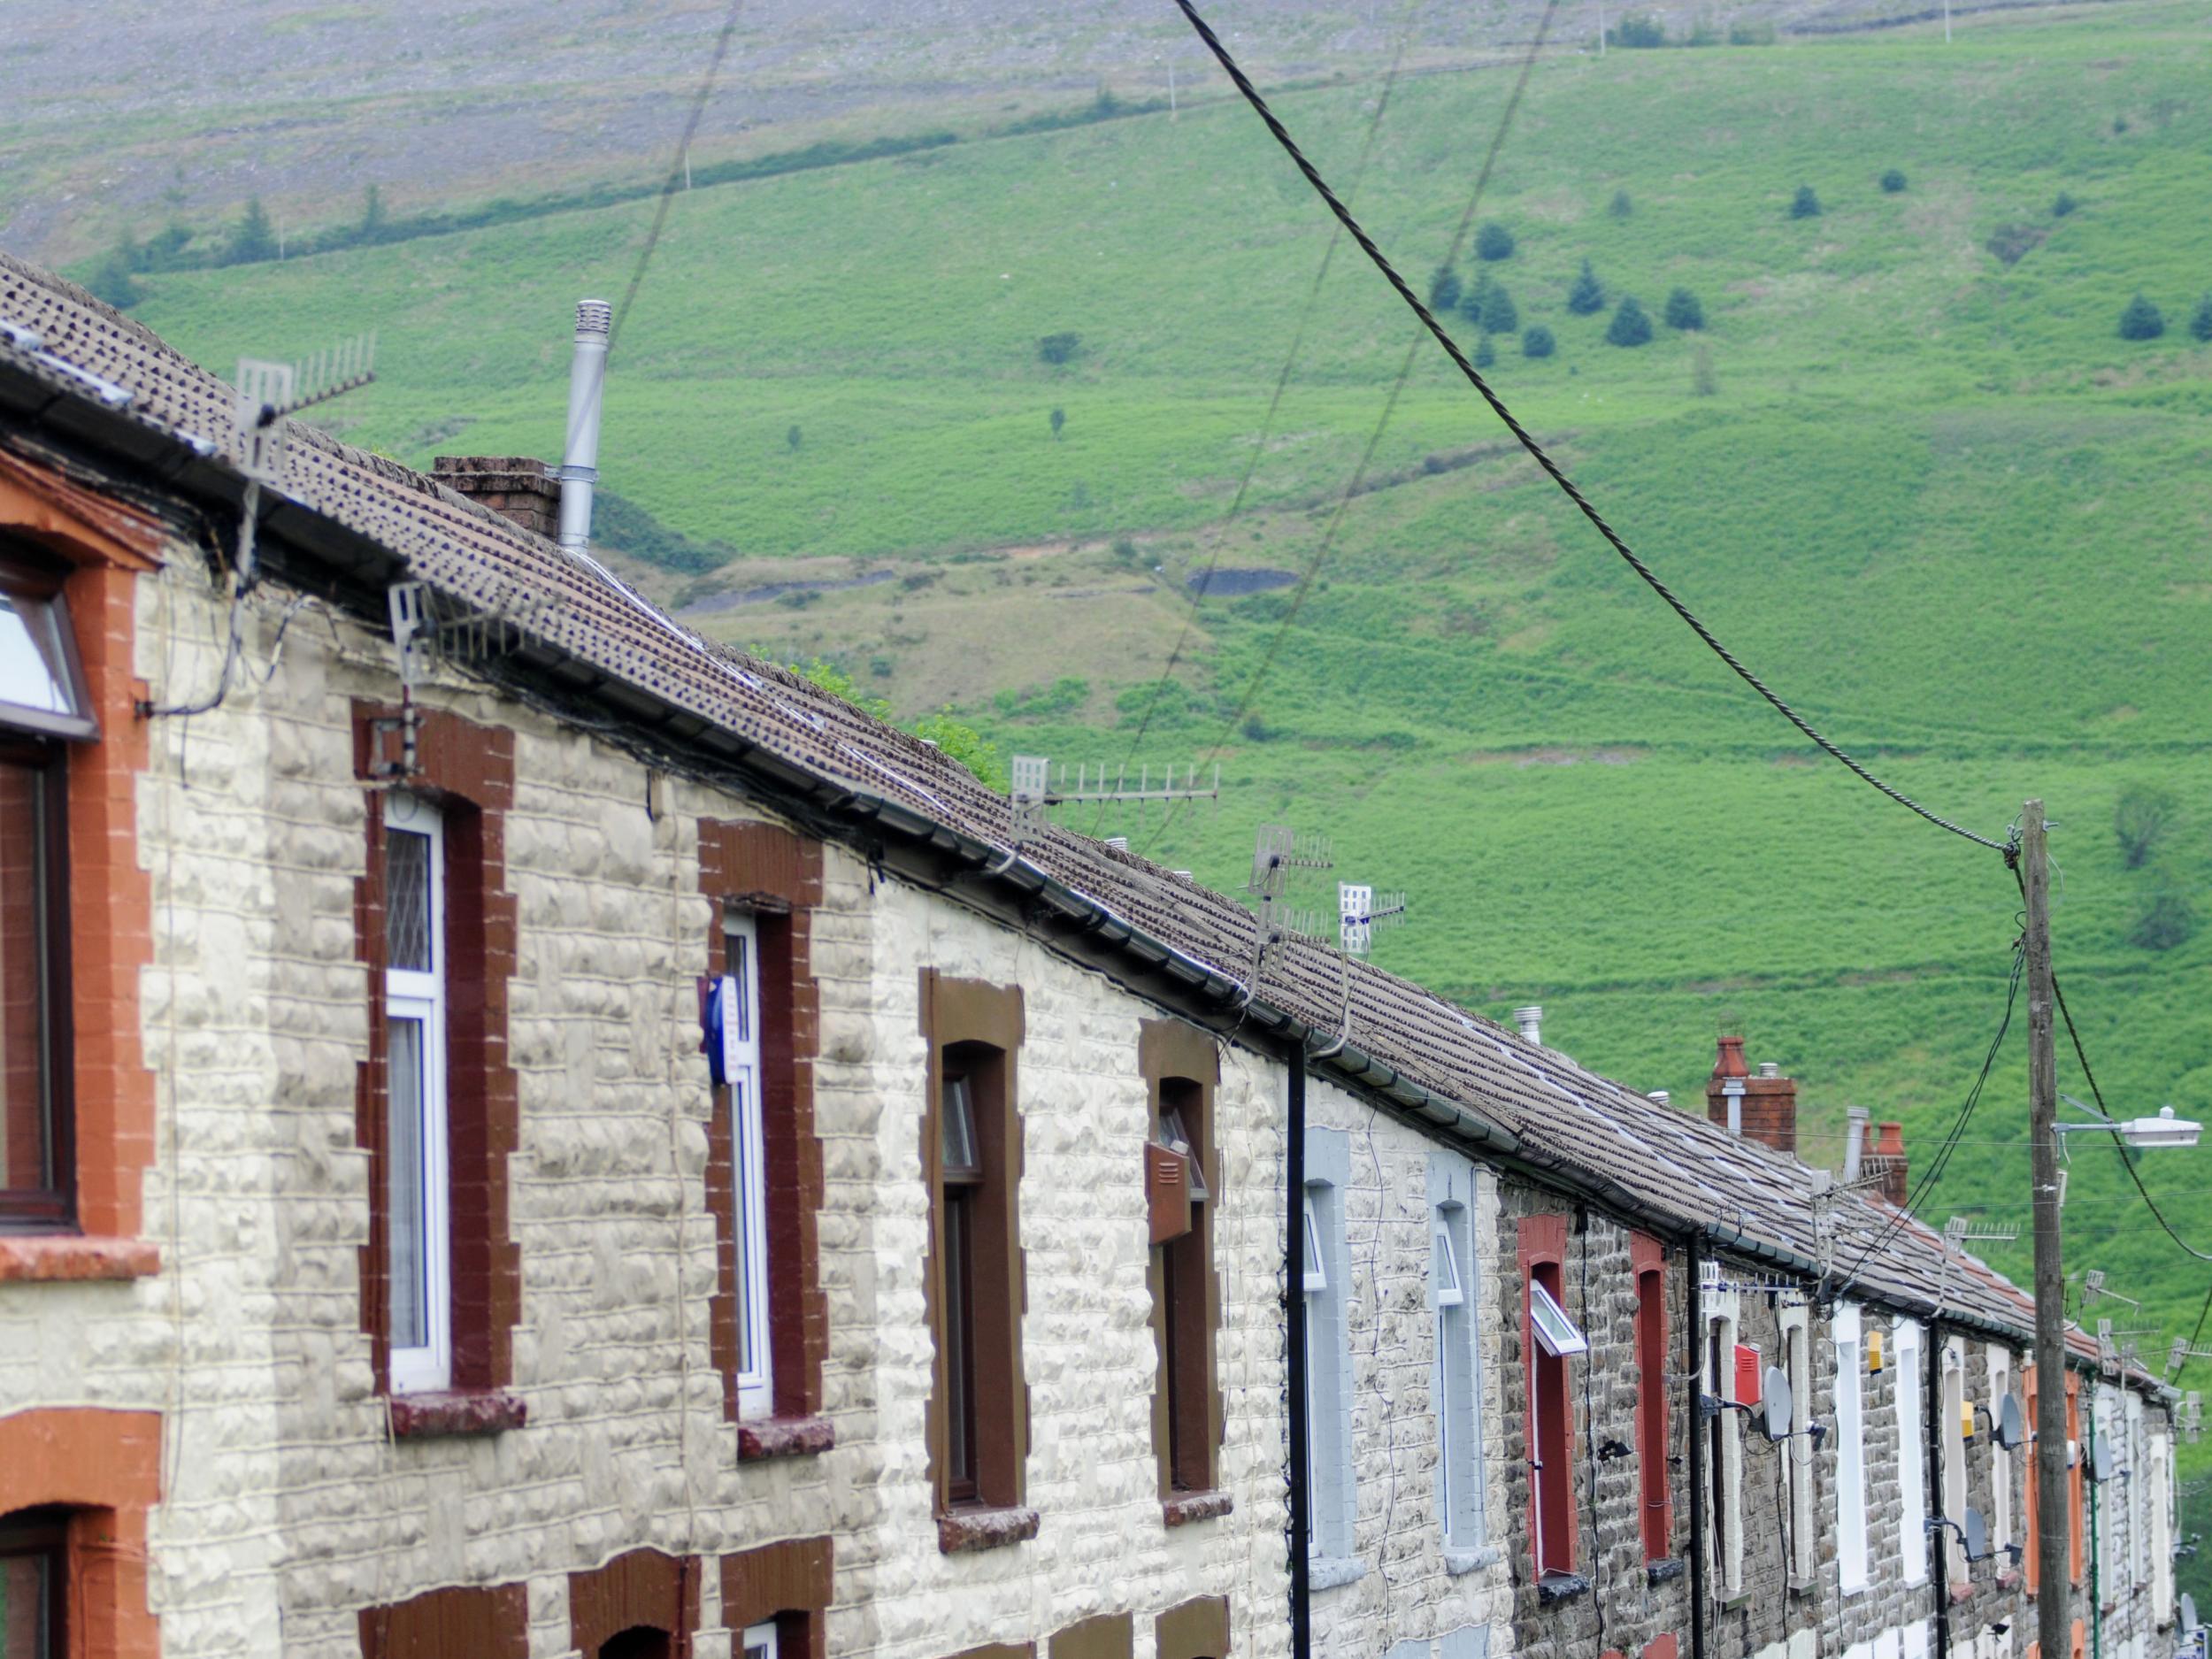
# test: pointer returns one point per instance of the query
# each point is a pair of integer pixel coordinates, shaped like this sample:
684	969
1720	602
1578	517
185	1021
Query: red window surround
1648	1261
100	1471
1543	1253
790	1583
469	770
485	1622
639	1592
105	546
777	875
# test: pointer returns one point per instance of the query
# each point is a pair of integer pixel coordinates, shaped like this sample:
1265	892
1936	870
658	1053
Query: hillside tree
1538	343
1804	204
1494	241
2141	320
1683	312
2141	818
1444	292
1499	314
372	213
1629	326
1894	181
255	237
1621	206
1059	419
113	285
1057	349
1485	353
2201	321
2063	205
1587	296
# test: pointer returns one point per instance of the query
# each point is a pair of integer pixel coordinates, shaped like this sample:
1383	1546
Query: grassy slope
1935	499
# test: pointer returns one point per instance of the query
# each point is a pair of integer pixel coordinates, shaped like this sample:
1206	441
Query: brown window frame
974	1032
44	1534
1655	1505
1182	1070
1555	1527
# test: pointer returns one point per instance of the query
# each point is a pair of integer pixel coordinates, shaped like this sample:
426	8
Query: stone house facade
533	1135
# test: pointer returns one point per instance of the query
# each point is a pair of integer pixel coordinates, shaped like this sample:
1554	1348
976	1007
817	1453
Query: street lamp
2165	1130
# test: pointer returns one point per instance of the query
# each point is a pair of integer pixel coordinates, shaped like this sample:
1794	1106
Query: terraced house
530	1133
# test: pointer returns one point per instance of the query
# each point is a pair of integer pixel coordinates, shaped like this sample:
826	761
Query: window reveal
416	1126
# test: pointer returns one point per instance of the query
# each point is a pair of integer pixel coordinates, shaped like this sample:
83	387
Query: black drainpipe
1939	1537
1295	1267
1693	1260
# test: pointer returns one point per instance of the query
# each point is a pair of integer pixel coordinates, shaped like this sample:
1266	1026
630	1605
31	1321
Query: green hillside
1931	495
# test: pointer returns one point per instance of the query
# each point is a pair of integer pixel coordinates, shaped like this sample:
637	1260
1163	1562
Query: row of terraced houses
529	1133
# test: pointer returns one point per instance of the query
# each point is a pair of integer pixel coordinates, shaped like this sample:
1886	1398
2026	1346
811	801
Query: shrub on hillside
2062	206
1058	348
2011	243
2141	320
1494	241
1683	312
254	238
1485	353
1500	316
2141	818
1701	381
1804	204
1894	182
371	214
1587	296
1538	343
1444	291
794	438
1630	325
2167	920
1638	31
113	285
2201	321
1621	206
1059	419
1472	296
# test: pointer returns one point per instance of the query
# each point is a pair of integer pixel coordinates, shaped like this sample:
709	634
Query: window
1183	1286
1912	1451
971	1160
1550	1338
737	1013
1954	1425
415	1138
758	1642
1723	1444
33	1576
42	701
2138	1496
2000	1459
2160	1496
961	1172
1804	1539
2032	1523
2074	1474
1459	1497
1850	1450
1328	1487
1651	1397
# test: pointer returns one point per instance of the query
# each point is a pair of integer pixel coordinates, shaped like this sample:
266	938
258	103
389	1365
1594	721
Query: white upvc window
1912	1455
1458	1423
1850	1449
1954	1468
1724	1457
2138	1495
739	1012
758	1642
2000	1459
1326	1285
417	1187
1804	1539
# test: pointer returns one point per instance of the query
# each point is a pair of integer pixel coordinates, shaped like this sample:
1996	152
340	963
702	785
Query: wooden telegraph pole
2053	1510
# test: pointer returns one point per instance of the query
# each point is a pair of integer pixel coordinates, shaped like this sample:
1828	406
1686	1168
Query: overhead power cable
1552	469
1274	405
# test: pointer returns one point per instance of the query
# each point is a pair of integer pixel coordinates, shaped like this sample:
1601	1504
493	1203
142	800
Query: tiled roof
1595	1135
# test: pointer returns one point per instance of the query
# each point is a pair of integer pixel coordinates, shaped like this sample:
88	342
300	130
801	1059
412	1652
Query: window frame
1182	1111
1951	1414
2000	1366
27	583
1655	1501
419	995
43	1535
1331	1479
959	1191
1724	1460
760	1639
50	1206
1555	1528
747	1246
1851	1533
1461	1495
1912	1453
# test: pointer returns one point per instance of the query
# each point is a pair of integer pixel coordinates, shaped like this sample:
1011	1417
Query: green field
1932	495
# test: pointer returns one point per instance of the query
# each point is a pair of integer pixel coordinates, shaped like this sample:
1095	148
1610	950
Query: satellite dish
2011	1430
2101	1462
1977	1531
1778	1403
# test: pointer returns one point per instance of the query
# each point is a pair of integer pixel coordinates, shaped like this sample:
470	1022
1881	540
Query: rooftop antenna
1972	1231
1033	790
2092	1287
269	393
1276	851
2108	1350
1358	914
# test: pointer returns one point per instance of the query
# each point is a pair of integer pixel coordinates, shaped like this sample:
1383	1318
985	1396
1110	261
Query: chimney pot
1762	1107
1531	1020
1853	1141
1768	1069
1889	1163
1660	1097
579	453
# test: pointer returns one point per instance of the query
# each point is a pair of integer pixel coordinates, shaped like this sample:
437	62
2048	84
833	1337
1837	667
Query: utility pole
2051	1509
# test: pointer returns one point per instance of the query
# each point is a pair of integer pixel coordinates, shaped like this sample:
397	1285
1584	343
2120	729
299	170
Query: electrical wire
1552	468
1258	679
1274	405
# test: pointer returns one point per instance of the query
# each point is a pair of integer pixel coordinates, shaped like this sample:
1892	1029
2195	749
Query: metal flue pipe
579	458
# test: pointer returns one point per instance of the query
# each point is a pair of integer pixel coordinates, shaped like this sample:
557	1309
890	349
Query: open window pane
1175	1135
1559	1335
39	684
962	1161
1316	1278
404	1158
1448	1293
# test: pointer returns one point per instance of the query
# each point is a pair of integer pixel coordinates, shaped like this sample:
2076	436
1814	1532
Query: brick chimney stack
1763	1107
515	486
1887	1160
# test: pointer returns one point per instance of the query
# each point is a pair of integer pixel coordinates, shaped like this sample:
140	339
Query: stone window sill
1331	1572
762	1439
2009	1579
425	1416
73	1258
1663	1570
1457	1562
1960	1593
1185	1507
961	1531
1555	1587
